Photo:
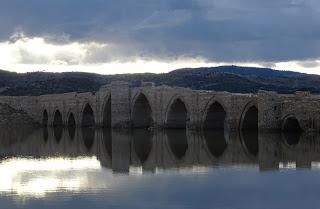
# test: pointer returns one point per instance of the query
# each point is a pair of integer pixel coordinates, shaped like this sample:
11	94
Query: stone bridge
119	106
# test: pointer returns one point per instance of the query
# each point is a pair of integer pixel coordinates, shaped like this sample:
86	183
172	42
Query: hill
224	78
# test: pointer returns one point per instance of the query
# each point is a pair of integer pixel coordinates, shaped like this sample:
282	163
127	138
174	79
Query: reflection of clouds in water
37	177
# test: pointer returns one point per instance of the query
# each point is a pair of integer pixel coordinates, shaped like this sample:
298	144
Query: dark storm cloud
218	30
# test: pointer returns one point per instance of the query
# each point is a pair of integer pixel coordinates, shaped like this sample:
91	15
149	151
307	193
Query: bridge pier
269	106
120	105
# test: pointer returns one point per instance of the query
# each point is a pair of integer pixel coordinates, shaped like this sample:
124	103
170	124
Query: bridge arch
106	115
142	112
45	118
291	129
291	124
71	122
88	119
177	114
249	128
215	116
57	119
249	118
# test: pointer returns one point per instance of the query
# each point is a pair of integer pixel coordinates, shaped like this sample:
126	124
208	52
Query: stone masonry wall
272	107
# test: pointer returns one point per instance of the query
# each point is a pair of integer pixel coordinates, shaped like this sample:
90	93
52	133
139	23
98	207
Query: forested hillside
224	78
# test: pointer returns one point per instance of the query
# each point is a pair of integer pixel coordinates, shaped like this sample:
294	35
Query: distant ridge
245	71
224	78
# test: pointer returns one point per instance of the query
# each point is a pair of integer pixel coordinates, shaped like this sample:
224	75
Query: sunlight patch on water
136	170
37	177
315	165
287	165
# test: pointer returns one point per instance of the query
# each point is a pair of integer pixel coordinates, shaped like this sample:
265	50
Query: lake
101	168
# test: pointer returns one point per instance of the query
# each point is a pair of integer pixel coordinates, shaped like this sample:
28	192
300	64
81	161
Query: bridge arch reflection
177	142
216	142
142	140
170	149
88	137
72	132
57	132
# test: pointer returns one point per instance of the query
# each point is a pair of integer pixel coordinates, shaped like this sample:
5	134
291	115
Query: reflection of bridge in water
172	149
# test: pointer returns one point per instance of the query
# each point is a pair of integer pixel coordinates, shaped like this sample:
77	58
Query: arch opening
178	142
71	120
250	120
291	124
215	117
292	131
249	131
142	113
45	118
88	117
107	114
142	140
177	116
57	120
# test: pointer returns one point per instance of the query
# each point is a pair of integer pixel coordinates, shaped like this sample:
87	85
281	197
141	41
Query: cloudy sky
117	36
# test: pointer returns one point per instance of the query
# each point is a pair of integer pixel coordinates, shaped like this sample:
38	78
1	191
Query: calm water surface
88	168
